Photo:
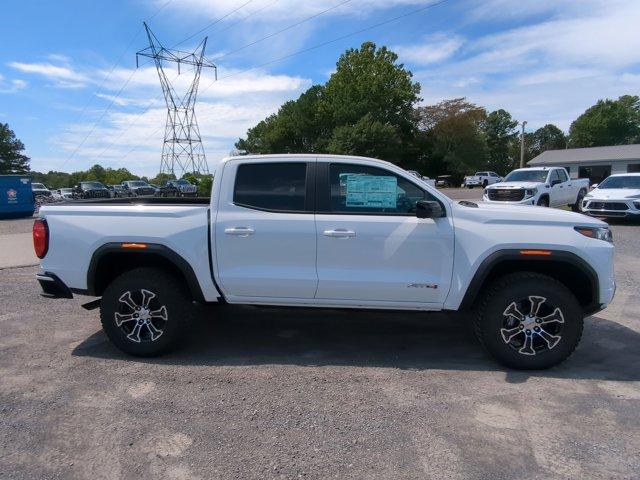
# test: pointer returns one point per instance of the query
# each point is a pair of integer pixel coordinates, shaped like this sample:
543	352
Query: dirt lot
274	393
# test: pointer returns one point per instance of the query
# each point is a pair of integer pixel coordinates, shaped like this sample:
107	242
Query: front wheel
543	201
529	321
143	311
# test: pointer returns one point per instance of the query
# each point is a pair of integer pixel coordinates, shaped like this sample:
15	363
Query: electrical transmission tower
182	151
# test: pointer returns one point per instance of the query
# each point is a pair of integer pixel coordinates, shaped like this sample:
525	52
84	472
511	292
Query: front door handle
339	233
239	231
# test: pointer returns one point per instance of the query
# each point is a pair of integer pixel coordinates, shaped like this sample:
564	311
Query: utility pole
522	145
182	151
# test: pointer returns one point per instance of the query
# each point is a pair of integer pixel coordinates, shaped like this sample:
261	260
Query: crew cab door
558	191
265	236
371	245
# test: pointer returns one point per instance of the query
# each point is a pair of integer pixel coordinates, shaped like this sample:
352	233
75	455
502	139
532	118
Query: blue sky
70	89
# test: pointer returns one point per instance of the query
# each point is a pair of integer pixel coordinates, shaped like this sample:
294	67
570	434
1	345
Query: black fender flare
493	260
151	249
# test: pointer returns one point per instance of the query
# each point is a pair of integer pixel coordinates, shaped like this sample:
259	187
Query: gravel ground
276	393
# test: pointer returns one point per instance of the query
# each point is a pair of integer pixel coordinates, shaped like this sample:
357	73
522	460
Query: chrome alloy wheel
533	332
141	316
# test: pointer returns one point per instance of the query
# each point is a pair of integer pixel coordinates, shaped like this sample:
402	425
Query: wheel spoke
121	318
512	311
551	340
556	316
527	348
509	333
147	296
160	313
155	333
134	336
127	300
536	303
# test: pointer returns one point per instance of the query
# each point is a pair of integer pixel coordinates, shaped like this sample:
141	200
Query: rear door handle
239	231
339	233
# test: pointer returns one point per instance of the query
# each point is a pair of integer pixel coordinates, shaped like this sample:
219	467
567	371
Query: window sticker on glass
370	191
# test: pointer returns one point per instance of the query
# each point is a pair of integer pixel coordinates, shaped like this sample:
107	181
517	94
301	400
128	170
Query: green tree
161	178
545	138
453	137
370	94
608	122
12	158
500	132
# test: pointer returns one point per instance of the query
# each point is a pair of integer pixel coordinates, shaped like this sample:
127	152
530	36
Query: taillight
40	237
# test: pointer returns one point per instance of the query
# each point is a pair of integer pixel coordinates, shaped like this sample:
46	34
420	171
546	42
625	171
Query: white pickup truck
543	186
482	179
329	231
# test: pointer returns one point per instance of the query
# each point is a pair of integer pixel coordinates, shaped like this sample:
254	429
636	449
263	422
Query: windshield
539	176
92	185
138	184
631	181
38	186
181	182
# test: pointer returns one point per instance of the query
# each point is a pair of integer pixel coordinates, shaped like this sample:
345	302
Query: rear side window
562	175
364	189
279	187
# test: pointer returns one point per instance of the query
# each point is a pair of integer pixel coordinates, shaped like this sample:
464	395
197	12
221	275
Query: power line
213	23
320	45
113	100
282	30
328	42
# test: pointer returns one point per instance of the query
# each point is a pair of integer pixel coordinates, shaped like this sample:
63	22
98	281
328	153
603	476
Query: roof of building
593	154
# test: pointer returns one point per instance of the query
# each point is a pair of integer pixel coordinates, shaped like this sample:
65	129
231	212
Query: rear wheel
529	321
142	311
485	183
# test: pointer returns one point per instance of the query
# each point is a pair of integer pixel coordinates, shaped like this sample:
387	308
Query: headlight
530	192
600	233
588	195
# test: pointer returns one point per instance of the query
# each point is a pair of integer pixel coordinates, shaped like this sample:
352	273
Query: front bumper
624	208
52	286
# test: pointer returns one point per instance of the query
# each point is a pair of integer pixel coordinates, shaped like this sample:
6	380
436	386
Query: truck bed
142	201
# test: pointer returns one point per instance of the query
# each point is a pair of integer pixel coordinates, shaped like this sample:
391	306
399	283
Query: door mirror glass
555	181
429	209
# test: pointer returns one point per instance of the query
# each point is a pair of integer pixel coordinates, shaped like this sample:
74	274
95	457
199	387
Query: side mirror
555	182
595	185
429	209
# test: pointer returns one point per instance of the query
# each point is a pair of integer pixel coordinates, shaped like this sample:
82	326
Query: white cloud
131	137
64	76
569	55
435	49
11	86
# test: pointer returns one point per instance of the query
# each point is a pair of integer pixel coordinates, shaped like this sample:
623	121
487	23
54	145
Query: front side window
279	187
363	189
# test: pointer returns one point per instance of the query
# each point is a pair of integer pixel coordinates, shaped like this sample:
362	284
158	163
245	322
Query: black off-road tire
543	201
577	207
490	318
169	293
485	184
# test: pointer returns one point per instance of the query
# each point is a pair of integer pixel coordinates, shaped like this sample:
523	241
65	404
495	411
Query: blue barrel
16	198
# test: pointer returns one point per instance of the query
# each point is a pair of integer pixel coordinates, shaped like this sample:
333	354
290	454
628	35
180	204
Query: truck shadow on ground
229	335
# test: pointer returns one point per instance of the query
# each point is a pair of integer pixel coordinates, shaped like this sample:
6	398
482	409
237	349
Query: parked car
336	232
16	196
63	194
178	188
117	191
482	179
427	180
543	186
87	190
138	188
444	181
617	196
40	189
